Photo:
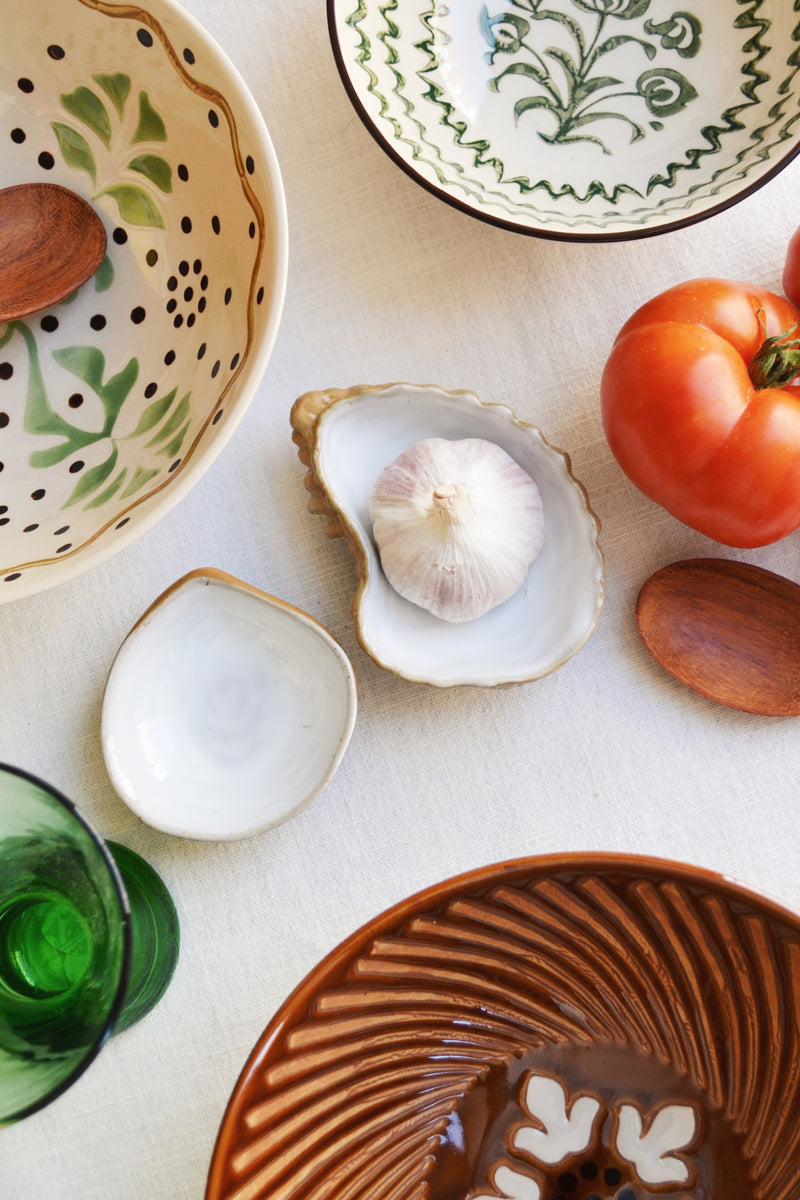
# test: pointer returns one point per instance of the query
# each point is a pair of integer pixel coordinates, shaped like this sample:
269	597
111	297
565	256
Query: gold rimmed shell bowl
226	710
346	436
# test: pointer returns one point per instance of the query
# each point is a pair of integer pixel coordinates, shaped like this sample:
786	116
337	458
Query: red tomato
689	425
791	269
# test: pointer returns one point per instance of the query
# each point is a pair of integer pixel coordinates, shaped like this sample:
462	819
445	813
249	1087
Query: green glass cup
89	940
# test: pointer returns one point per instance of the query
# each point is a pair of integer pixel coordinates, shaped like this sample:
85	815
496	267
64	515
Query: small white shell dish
345	437
225	711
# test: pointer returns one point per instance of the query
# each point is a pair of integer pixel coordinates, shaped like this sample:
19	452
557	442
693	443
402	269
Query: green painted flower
505	32
665	92
568	87
164	423
624	9
681	33
102	113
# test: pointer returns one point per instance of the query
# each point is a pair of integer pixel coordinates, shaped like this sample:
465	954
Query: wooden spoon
51	241
728	630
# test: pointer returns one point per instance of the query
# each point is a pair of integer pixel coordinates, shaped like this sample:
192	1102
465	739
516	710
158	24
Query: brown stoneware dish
575	1027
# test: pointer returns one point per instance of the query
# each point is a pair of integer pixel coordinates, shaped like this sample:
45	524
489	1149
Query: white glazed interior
225	710
550	616
422	77
173	154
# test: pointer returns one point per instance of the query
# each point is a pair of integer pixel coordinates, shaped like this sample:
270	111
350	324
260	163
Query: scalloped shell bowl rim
213	575
354	540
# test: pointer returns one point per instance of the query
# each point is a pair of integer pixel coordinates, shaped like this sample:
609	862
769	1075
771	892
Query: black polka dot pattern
187	300
580	1181
195	292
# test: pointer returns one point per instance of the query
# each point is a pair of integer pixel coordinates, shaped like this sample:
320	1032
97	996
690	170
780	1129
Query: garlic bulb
457	524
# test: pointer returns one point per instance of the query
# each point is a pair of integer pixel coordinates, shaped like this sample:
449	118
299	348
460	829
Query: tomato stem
778	359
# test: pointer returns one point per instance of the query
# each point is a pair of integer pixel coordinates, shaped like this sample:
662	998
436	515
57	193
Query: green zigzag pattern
422	150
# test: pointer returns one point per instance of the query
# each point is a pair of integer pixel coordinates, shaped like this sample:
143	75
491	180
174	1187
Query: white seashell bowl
226	710
115	401
347	436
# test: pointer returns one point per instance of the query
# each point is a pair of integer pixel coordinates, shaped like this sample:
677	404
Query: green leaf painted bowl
577	119
115	401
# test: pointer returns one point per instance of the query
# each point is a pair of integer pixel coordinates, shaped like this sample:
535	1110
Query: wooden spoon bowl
728	630
51	242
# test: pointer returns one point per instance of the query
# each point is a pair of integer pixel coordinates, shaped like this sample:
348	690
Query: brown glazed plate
573	1027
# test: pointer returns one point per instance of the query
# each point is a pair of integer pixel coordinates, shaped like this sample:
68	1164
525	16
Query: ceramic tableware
115	401
346	436
226	710
579	119
597	1026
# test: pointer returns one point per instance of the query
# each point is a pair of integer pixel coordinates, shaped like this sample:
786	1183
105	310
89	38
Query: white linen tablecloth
388	283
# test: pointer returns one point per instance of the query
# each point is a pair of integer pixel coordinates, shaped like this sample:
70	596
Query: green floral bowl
115	401
578	119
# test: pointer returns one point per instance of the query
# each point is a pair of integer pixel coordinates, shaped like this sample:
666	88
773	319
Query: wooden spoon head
51	242
728	630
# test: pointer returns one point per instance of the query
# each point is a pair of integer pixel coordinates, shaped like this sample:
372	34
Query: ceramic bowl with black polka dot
114	401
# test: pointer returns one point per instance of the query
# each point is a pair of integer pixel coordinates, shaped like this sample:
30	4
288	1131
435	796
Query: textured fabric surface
386	282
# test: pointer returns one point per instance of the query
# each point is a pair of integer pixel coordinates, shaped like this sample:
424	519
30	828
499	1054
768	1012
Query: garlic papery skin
457	524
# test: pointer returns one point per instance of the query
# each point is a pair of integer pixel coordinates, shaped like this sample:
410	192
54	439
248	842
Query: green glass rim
125	919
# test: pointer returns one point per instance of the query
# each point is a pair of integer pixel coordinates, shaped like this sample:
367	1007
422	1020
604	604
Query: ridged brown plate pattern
587	1027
